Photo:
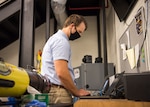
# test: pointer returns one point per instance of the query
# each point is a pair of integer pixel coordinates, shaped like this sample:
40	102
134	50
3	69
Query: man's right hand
83	92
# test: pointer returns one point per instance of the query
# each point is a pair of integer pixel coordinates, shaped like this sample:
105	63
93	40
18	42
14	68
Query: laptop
106	91
100	92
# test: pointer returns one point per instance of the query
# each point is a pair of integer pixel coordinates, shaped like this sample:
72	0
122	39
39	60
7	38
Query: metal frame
27	30
104	39
47	19
10	9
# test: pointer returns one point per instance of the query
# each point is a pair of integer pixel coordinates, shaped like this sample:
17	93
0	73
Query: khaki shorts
59	95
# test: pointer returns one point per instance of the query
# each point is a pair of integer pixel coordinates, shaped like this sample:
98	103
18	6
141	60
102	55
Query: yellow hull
15	80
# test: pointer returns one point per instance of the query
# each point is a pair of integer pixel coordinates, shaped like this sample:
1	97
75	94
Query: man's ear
72	25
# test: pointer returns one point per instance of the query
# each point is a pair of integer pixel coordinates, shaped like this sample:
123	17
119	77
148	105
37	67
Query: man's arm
61	67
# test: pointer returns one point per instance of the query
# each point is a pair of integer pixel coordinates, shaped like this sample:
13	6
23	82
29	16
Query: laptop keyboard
94	93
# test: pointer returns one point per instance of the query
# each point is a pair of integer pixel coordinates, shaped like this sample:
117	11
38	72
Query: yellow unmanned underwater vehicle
15	80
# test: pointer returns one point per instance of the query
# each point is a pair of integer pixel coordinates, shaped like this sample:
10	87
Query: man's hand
83	92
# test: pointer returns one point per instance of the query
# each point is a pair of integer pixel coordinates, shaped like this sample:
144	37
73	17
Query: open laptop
100	95
106	91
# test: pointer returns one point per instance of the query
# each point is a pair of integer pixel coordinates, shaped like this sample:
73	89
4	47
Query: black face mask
74	36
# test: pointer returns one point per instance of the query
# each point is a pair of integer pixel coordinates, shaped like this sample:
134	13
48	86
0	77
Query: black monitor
123	7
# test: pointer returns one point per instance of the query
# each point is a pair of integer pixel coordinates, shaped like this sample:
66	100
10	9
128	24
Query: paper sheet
131	57
128	37
123	47
137	48
77	73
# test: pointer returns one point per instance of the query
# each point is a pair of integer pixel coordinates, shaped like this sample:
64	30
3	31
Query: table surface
110	103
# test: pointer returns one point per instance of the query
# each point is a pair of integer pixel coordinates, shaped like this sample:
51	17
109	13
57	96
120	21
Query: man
56	61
